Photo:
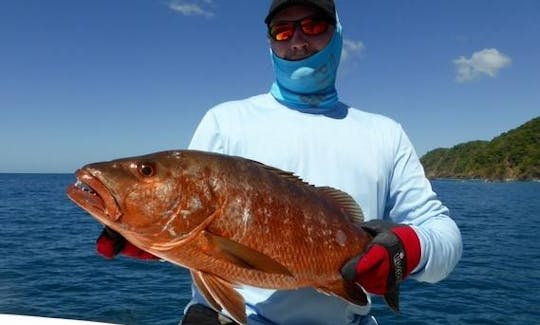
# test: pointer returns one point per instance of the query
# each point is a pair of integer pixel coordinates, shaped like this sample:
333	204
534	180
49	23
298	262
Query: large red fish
229	220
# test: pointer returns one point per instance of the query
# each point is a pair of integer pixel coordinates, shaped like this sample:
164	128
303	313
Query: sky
86	81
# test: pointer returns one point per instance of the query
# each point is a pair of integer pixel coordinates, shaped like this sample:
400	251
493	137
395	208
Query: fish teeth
83	187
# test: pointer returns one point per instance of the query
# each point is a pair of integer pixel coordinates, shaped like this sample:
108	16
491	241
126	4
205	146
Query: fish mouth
93	196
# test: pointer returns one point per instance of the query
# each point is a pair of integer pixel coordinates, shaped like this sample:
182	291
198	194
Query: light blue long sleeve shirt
366	155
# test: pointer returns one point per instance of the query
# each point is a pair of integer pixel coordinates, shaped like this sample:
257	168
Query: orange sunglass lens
311	27
282	32
314	27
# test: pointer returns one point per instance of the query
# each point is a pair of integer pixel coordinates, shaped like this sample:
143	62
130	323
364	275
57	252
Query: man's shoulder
373	119
231	106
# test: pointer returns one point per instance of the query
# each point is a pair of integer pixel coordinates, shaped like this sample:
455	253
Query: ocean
49	267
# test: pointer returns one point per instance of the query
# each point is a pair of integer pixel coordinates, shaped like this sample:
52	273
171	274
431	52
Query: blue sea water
48	264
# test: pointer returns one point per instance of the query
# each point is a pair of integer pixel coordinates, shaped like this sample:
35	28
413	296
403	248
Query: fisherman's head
299	29
306	44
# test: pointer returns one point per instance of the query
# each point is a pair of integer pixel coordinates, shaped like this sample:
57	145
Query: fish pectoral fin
223	295
350	292
243	256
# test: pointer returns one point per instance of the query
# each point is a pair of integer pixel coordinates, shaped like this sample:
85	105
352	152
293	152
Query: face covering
308	85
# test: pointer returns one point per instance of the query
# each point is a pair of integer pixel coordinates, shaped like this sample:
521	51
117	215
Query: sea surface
48	264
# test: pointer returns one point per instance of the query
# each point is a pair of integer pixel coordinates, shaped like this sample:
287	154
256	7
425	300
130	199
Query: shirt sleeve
412	201
207	136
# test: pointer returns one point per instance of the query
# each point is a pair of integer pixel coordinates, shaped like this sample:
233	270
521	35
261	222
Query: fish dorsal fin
242	255
338	197
282	173
344	201
220	292
278	171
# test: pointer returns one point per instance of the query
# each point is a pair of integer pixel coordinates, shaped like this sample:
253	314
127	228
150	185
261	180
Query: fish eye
146	169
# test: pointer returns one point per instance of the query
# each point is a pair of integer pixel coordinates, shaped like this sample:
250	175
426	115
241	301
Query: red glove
391	256
110	243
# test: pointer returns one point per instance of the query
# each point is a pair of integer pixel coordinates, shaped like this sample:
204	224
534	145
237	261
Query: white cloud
193	7
351	48
484	62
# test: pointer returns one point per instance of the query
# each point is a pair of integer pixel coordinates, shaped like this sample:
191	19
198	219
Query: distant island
513	155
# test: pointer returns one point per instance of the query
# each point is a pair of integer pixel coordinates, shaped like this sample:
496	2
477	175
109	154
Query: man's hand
110	243
391	256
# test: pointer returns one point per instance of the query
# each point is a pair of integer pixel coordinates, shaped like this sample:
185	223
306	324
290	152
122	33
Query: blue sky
84	81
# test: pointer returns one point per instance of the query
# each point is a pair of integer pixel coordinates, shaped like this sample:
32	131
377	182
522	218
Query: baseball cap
325	6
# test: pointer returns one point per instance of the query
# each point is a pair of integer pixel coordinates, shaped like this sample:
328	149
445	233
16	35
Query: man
301	126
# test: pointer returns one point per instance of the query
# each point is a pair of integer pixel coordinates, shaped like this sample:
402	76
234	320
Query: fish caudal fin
350	292
221	295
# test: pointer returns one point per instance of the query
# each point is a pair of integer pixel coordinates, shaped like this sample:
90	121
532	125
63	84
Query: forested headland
513	155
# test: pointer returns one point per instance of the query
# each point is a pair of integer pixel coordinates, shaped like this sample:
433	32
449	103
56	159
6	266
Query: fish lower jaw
94	196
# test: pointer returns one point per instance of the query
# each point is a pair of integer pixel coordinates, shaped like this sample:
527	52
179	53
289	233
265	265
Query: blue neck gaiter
308	85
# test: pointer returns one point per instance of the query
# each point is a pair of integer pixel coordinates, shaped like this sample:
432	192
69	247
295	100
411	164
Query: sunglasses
311	26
